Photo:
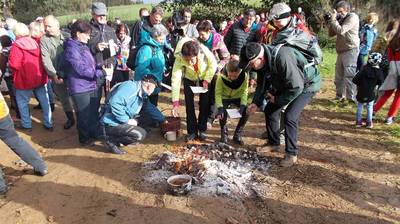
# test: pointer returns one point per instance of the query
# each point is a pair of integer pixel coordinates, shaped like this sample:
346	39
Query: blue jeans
20	147
369	106
23	97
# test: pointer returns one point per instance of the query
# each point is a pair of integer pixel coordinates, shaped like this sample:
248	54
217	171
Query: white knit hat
279	11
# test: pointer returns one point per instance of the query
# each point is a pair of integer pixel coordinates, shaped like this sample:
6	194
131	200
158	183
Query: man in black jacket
241	32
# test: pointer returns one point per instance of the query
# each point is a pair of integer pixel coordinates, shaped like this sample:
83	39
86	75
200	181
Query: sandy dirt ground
344	175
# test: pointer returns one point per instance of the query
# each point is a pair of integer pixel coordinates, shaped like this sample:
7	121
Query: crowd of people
129	66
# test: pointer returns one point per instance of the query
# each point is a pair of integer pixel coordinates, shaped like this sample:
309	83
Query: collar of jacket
234	84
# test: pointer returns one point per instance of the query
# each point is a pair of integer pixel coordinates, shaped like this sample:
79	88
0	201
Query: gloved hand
109	72
132	122
242	109
220	113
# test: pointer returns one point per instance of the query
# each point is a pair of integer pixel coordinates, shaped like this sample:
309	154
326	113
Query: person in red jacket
29	76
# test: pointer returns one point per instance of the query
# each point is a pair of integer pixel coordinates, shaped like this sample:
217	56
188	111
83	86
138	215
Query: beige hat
279	11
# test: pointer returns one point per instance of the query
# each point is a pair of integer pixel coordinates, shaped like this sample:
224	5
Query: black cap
247	53
150	78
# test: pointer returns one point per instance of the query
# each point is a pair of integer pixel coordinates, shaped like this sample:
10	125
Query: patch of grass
127	13
327	67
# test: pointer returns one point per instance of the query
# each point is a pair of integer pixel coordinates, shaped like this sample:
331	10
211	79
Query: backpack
131	61
301	39
62	66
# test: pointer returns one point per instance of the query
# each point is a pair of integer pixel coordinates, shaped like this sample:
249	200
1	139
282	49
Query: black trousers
195	125
125	134
291	121
242	121
87	105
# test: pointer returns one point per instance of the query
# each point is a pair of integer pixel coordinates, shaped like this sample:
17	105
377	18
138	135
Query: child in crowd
232	89
366	80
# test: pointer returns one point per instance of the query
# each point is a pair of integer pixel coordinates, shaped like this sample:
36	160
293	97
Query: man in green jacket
51	46
293	81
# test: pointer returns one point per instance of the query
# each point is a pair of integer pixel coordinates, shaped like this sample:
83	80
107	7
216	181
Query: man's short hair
157	10
204	26
250	12
190	49
186	9
141	10
343	4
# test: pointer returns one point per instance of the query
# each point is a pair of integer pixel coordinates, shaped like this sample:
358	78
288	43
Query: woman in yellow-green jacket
195	65
232	89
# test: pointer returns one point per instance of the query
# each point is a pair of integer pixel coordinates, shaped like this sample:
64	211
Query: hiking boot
202	136
190	137
389	121
267	148
224	135
87	142
114	148
71	120
237	138
19	126
264	135
358	124
51	129
288	161
369	125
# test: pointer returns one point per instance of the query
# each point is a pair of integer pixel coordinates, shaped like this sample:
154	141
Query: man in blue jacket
128	114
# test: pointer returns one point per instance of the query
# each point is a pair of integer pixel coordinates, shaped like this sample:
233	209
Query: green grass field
127	13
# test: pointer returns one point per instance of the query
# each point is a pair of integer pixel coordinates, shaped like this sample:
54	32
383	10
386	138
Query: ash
217	169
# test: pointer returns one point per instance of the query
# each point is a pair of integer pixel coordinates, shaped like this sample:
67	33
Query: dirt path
345	175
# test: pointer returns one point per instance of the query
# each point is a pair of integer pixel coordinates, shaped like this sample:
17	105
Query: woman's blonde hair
36	29
372	18
21	30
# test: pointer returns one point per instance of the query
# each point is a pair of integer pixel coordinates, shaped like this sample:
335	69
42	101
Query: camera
328	16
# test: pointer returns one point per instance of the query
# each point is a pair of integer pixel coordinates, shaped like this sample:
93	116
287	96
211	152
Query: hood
150	41
28	44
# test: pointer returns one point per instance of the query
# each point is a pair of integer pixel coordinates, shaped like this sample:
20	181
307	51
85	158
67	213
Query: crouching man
22	148
128	114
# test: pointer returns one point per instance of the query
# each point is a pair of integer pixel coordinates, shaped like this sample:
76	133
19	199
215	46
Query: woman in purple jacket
82	75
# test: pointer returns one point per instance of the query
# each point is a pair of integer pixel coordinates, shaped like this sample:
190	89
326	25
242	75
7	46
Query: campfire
218	169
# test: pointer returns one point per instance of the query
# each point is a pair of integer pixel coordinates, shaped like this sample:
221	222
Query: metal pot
179	184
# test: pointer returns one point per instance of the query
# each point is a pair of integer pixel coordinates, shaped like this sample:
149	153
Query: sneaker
389	121
4	190
288	161
190	137
358	124
369	124
202	136
114	148
51	129
42	172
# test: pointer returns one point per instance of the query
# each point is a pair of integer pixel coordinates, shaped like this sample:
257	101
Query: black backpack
131	62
